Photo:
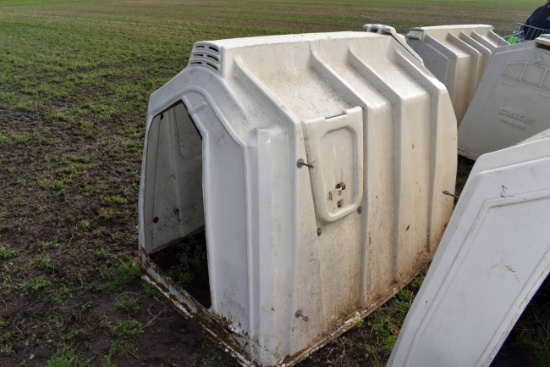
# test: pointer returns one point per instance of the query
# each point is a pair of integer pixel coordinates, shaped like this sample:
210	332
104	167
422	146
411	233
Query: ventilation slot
211	65
206	56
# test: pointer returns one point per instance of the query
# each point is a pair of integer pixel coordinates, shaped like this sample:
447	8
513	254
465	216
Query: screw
300	314
301	163
319	231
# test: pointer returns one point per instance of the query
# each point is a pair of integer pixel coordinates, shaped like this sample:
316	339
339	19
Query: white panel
334	148
457	55
491	260
177	177
511	103
299	252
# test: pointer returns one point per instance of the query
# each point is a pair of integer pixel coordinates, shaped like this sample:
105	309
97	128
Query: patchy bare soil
75	78
73	313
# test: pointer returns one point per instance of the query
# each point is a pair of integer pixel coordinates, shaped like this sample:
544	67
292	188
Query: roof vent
206	55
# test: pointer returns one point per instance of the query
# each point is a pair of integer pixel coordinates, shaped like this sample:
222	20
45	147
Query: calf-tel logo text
516	116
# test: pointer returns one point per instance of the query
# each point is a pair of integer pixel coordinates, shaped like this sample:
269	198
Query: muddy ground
74	83
63	238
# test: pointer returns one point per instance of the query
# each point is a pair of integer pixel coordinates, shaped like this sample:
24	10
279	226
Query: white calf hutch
457	56
317	165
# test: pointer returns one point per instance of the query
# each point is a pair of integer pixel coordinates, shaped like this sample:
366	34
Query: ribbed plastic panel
321	167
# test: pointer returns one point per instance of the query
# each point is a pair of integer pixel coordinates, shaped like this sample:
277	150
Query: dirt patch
68	242
75	82
185	261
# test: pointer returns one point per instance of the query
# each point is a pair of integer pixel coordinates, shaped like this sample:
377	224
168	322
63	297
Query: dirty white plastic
386	29
493	257
322	165
542	135
457	56
511	103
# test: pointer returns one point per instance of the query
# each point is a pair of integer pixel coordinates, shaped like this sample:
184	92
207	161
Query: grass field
75	77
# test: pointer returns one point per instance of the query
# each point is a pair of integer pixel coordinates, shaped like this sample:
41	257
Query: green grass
127	303
127	328
122	275
43	262
36	285
45	246
67	357
75	78
7	252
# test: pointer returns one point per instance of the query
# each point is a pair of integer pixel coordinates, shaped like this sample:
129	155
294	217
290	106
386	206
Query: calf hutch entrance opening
177	239
316	164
